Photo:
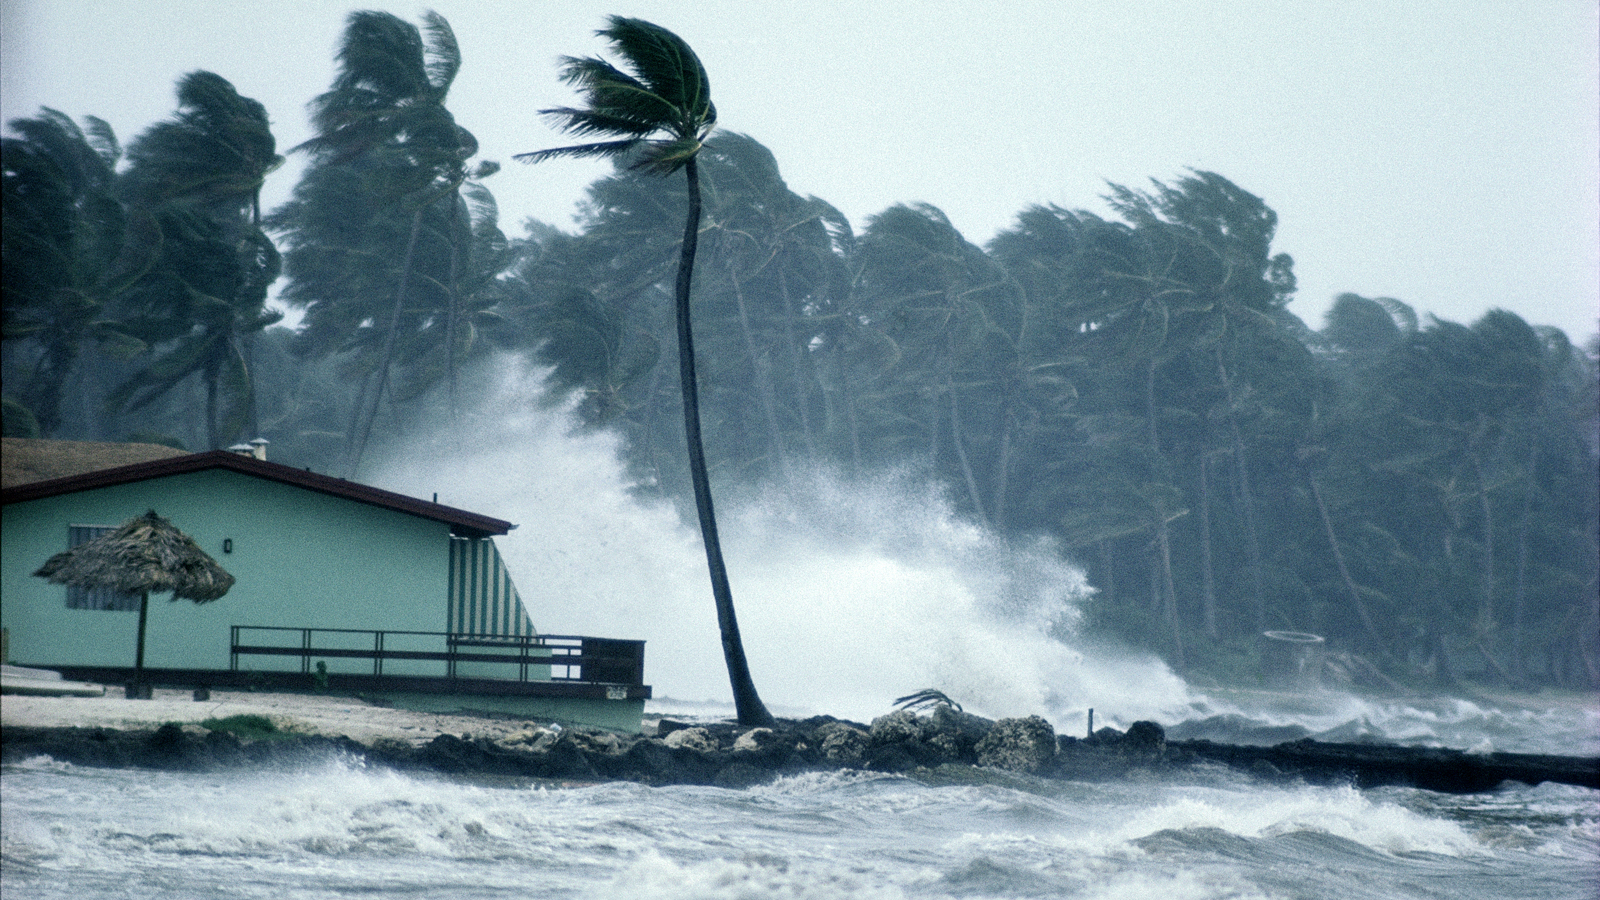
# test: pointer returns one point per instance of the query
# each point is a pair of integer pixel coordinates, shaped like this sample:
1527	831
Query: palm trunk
1002	465
1208	580
365	430
138	654
1252	541
763	374
747	703
1171	594
252	422
1486	613
213	433
843	407
802	370
1519	599
454	294
1165	590
961	454
1344	571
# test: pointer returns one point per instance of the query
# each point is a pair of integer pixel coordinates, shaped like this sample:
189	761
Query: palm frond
666	157
613	91
603	148
665	63
443	58
102	139
666	91
592	121
926	698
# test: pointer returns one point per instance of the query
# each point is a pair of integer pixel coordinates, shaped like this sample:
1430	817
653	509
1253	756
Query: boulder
594	741
1025	745
691	739
840	743
1105	737
533	738
956	734
754	740
900	726
1145	738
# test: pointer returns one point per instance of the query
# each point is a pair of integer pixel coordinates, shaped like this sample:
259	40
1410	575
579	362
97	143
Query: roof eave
461	522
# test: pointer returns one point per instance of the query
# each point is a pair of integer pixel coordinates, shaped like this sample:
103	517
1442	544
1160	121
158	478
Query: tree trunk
1166	590
1486	622
1164	535
365	430
1519	599
1208	581
1252	542
763	375
961	453
1344	571
1002	467
213	433
747	703
138	653
802	369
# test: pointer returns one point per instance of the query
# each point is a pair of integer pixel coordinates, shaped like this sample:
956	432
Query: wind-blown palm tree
192	189
384	227
63	231
660	113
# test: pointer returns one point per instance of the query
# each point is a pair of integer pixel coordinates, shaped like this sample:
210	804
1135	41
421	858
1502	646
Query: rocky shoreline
943	744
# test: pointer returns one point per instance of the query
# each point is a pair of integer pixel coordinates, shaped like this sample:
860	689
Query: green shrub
252	727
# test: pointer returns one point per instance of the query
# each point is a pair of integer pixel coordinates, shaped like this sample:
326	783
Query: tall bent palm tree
660	114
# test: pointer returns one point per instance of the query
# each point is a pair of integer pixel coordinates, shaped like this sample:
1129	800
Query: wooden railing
569	657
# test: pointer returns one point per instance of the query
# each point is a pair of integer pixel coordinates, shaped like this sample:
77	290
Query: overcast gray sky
1443	152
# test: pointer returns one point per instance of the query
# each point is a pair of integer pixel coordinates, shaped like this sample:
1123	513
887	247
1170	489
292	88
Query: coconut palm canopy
147	554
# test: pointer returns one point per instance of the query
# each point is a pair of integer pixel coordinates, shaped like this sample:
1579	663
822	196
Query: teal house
339	586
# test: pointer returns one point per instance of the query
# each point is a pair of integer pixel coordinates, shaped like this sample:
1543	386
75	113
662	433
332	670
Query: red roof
461	522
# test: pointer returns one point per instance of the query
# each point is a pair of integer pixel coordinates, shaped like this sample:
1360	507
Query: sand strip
305	713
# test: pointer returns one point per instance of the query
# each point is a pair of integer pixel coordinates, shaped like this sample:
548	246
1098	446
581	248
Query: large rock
898	727
956	734
1145	738
1019	745
754	740
691	739
841	743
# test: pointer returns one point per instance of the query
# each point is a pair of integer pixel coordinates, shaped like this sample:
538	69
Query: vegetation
1130	385
667	93
248	726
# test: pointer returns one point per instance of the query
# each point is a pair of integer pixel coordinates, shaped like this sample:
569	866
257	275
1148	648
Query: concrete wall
301	559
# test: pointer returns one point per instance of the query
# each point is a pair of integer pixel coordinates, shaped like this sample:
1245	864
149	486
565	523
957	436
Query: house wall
301	559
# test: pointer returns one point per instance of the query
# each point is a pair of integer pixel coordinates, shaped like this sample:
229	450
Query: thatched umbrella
145	554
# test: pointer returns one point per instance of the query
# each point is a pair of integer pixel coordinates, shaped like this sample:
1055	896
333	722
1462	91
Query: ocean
341	829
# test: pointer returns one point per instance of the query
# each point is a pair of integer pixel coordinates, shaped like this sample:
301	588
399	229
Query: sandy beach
304	713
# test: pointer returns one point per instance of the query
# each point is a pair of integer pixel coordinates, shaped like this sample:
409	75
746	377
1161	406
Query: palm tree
63	232
382	231
661	112
954	318
192	187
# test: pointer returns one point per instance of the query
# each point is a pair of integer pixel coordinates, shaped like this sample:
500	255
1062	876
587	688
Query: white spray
850	591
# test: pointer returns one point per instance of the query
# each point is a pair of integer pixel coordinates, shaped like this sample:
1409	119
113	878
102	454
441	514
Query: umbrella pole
138	656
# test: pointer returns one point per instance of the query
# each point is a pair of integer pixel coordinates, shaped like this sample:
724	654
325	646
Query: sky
1442	152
